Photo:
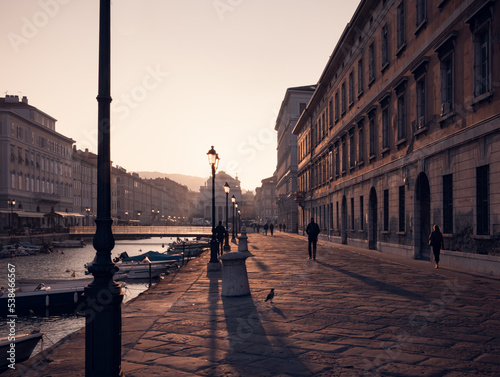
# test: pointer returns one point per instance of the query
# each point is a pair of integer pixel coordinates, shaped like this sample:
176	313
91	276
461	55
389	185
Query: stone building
403	129
85	184
35	167
205	203
265	202
293	104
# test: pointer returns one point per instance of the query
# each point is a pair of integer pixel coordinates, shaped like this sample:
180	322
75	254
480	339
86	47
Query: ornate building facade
293	104
403	130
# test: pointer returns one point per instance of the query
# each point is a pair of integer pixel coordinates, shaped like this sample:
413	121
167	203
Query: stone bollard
242	240
234	274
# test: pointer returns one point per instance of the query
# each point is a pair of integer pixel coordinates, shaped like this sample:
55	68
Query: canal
69	264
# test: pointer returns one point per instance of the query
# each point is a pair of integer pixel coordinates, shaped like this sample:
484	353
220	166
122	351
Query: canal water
62	264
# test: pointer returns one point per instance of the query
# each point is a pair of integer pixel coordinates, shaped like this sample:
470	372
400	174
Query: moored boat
19	346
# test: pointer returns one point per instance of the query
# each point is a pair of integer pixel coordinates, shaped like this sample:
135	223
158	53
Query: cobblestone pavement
352	312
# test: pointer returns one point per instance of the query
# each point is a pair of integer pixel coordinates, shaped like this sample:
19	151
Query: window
371	63
337	109
361	142
372	130
351	88
401	31
421	102
401	116
302	107
447	84
338	225
344	155
337	159
386	210
448	203
361	213
482	61
343	98
385	128
330	113
421	13
482	200
352	213
385	46
352	150
401	208
360	77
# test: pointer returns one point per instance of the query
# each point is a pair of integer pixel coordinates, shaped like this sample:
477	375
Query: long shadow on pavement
389	288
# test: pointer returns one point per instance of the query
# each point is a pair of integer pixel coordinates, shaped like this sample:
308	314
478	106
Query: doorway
372	220
422	218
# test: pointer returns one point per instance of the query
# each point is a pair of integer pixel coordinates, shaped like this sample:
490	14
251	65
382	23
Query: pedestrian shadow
389	288
248	341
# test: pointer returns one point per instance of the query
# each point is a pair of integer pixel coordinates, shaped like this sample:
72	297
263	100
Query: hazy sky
186	74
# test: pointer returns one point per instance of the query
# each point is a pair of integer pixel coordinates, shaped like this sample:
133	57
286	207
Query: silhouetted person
284	227
266	227
220	234
312	231
271	228
437	242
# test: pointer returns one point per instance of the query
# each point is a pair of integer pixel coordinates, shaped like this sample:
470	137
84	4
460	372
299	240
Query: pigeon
270	296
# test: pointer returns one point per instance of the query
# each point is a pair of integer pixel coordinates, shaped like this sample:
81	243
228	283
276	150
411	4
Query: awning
69	214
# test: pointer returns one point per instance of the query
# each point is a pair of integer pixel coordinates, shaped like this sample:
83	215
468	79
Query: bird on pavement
270	296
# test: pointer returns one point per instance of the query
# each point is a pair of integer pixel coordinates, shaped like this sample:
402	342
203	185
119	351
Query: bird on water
270	296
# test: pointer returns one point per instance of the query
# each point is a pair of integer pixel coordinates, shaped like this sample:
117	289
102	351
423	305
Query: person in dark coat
220	234
437	242
312	231
271	228
265	228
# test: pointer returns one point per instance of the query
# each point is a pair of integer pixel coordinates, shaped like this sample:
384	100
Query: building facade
35	167
265	202
293	104
402	131
205	203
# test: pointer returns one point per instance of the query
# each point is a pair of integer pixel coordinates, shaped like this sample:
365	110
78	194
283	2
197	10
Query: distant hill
193	183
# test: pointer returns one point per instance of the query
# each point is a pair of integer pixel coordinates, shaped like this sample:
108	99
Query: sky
185	74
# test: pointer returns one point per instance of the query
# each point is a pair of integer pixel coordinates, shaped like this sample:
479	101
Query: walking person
220	234
437	242
271	228
266	227
312	231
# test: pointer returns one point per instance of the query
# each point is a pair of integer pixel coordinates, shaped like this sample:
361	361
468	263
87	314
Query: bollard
243	240
234	274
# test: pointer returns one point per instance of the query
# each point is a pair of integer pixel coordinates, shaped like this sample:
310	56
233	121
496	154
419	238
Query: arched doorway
372	220
422	217
344	221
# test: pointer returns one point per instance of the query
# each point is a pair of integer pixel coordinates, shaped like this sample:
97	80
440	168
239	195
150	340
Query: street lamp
87	210
213	161
103	325
233	199
11	203
226	246
236	220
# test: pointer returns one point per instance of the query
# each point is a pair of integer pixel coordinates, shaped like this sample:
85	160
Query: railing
147	230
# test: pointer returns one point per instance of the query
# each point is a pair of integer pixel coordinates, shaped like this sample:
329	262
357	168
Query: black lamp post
103	296
11	203
233	199
87	210
236	220
226	246
213	160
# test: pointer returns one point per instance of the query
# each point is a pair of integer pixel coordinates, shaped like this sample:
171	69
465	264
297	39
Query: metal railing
147	230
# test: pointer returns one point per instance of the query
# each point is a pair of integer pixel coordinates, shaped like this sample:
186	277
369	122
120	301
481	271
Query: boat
46	293
67	244
24	346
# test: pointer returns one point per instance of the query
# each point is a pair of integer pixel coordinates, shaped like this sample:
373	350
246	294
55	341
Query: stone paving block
184	364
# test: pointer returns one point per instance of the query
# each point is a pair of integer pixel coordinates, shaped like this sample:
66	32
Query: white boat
24	345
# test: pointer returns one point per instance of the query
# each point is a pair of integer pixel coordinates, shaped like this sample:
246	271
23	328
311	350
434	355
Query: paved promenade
352	312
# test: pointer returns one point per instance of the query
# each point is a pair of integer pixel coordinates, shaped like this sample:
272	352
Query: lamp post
104	297
87	210
226	246
11	203
213	160
236	220
233	199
